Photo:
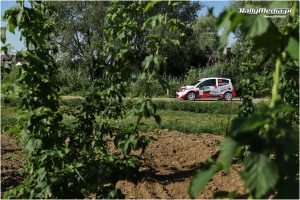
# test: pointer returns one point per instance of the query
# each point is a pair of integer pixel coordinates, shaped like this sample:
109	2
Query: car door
207	88
224	85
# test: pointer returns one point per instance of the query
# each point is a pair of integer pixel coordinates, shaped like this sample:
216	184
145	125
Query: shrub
73	80
71	103
153	86
217	70
12	75
7	123
211	107
11	101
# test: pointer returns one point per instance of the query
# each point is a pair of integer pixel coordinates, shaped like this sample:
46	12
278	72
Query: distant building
21	62
5	58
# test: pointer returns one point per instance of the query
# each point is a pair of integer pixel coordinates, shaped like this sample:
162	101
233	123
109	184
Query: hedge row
15	101
214	107
218	107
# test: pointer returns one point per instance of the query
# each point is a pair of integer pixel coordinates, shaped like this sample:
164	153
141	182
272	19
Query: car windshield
194	83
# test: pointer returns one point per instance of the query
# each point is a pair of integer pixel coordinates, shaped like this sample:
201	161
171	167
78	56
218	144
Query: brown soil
11	161
169	164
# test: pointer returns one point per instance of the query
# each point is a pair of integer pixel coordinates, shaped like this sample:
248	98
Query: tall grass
217	70
153	87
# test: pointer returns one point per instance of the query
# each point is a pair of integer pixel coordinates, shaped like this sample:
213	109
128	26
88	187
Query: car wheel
228	96
191	96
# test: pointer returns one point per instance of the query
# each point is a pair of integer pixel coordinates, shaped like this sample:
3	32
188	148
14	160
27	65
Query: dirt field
170	162
11	161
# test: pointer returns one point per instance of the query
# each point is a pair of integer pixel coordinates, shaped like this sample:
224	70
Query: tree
204	41
180	59
79	27
79	44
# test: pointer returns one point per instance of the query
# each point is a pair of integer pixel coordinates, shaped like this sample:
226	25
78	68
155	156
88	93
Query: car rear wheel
191	96
228	96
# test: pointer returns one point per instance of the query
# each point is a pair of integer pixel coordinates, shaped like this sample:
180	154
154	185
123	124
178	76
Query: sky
14	39
218	6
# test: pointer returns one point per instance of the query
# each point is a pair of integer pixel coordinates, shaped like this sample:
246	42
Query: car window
222	82
209	82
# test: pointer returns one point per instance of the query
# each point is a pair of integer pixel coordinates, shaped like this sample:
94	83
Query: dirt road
207	100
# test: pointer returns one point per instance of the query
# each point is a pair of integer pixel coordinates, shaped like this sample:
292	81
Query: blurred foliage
270	135
76	161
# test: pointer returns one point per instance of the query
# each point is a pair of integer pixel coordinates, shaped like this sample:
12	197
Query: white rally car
221	88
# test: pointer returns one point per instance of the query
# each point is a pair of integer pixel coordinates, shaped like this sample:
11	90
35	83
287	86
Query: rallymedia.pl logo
274	12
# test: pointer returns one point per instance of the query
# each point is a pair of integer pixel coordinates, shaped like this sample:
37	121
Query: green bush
211	107
12	75
219	107
7	123
140	86
71	103
8	119
174	84
11	101
73	81
217	70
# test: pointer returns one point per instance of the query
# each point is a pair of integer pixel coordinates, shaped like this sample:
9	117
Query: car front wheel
191	96
227	96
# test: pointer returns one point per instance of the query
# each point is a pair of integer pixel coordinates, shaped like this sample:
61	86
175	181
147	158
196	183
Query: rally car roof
203	79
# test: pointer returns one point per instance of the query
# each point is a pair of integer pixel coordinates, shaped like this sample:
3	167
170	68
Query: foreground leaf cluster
264	140
87	158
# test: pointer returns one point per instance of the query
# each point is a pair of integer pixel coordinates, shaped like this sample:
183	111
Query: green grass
8	118
182	121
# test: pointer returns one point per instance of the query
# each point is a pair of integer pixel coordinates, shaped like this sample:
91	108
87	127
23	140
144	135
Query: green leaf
19	16
255	26
147	62
260	174
228	150
293	48
5	48
121	35
11	27
42	173
3	34
150	5
271	39
200	180
229	19
249	124
223	18
156	62
151	107
157	119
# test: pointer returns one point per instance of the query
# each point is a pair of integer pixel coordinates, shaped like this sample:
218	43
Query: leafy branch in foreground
88	158
271	132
